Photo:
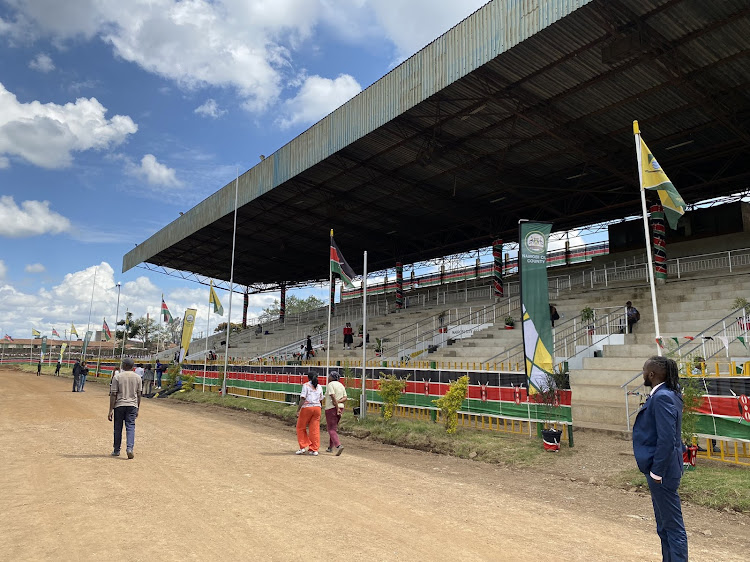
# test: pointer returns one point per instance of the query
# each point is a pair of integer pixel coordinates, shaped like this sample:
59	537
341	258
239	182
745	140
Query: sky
117	116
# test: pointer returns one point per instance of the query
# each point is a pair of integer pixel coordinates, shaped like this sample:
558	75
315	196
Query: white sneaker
313	453
301	452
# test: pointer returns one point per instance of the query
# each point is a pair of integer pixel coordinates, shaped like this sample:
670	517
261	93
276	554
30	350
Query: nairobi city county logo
190	318
535	242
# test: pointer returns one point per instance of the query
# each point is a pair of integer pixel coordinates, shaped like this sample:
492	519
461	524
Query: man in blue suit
657	444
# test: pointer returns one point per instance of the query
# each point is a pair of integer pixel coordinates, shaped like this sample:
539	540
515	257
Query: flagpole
99	360
330	286
117	317
363	396
124	335
67	337
208	323
161	322
637	133
91	304
231	284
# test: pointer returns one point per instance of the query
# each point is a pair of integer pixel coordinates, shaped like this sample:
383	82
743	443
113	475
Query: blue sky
115	116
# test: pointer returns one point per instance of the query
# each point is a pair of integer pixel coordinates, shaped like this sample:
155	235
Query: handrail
704	337
568	335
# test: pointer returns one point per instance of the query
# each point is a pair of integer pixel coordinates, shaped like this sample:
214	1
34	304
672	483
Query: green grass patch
480	445
710	485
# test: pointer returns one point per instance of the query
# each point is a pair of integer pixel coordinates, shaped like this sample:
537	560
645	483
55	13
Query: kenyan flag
339	266
107	332
166	315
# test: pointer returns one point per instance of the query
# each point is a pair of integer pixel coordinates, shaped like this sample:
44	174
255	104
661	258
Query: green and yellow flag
73	330
213	299
35	333
652	177
536	325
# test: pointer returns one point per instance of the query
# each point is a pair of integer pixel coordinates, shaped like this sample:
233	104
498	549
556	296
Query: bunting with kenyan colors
653	178
659	241
339	266
724	410
535	321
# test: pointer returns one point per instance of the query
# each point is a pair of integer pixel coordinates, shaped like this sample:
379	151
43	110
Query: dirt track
215	485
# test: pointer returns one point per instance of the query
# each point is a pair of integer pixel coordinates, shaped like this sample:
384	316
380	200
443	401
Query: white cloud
32	218
69	301
210	109
47	134
3	270
42	62
154	172
34	268
412	25
317	97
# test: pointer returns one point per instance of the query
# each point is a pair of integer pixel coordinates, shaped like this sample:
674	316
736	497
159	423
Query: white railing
572	337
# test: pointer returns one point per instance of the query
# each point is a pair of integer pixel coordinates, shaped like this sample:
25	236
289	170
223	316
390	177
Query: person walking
658	448
57	368
334	406
76	375
308	417
148	379
124	400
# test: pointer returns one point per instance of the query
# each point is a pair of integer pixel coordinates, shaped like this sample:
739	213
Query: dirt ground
209	484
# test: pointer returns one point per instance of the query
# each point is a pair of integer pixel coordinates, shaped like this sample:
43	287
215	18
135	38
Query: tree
223	327
294	305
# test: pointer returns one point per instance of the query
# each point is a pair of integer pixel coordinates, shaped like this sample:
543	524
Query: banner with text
187	332
535	317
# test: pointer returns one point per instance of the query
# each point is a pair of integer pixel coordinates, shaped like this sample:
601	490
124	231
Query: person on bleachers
632	314
309	348
348	336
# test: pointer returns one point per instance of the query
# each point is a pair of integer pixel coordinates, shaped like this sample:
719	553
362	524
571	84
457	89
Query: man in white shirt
139	370
335	398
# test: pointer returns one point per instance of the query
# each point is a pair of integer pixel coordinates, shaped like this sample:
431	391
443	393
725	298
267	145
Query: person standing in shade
148	379
335	398
124	401
658	448
57	368
308	347
308	417
348	336
76	375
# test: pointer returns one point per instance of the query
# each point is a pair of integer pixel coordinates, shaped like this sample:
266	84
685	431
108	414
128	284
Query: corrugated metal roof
512	102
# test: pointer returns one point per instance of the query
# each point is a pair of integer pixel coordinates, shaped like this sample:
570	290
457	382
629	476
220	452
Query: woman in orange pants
308	414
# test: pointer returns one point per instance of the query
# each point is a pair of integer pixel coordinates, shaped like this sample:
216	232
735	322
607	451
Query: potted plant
743	306
441	319
360	330
587	318
509	322
692	396
378	347
548	397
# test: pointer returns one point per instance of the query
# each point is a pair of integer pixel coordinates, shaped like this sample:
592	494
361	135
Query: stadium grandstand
523	110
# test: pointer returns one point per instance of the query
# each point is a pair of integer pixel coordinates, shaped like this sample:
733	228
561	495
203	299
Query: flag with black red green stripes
339	266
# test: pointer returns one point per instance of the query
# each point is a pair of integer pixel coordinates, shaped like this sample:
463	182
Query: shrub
692	396
450	402
171	375
391	388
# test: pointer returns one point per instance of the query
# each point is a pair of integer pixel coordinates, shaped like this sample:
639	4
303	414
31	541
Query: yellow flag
213	299
187	331
35	333
654	178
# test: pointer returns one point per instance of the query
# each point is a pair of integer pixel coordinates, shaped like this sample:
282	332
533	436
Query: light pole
117	317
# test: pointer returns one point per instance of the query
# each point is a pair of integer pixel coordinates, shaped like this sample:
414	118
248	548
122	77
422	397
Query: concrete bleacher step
587	412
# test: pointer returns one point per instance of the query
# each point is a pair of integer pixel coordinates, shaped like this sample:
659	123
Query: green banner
536	324
44	348
86	341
